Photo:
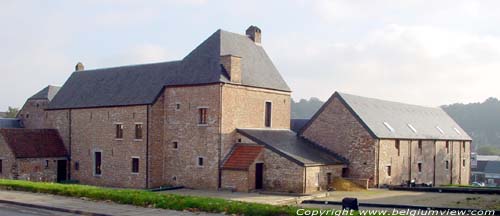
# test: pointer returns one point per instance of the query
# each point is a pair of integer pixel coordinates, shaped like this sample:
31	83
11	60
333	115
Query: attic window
389	127
412	128
456	130
440	130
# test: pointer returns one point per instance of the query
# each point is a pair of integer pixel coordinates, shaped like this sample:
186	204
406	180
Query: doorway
259	174
61	170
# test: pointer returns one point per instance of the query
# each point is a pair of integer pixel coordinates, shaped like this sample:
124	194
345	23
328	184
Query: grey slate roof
492	167
46	93
288	144
141	84
399	116
297	124
10	123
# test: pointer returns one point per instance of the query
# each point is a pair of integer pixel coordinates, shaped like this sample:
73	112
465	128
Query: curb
51	208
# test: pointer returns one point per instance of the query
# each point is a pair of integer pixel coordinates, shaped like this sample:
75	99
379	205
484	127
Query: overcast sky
414	51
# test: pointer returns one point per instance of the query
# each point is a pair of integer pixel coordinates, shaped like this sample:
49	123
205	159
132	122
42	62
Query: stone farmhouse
220	118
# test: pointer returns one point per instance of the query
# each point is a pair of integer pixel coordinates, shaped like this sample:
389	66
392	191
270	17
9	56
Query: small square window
463	163
177	106
46	163
77	165
119	131
447	164
388	170
447	146
419	167
135	165
138	131
202	116
175	145
200	161
463	146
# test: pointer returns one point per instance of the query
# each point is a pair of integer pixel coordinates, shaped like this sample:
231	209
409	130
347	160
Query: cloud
414	64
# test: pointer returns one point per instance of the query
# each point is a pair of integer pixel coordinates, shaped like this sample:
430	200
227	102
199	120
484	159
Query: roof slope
141	84
288	144
386	119
34	143
48	92
10	123
242	156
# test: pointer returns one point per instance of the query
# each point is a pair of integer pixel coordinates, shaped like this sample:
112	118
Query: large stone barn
390	143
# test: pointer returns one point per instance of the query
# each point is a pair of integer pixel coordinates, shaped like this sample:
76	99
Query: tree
488	150
12	112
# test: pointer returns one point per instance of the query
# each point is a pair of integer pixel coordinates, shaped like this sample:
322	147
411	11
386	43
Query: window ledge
119	139
97	176
137	140
136	174
202	125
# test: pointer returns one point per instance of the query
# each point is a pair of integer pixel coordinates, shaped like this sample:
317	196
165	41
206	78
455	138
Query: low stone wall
364	183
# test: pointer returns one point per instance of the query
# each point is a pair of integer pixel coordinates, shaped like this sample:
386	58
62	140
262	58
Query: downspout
305	179
147	146
410	163
378	164
435	155
219	183
460	164
69	145
451	163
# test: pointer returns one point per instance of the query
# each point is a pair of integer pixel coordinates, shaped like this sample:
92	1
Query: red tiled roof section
242	157
34	143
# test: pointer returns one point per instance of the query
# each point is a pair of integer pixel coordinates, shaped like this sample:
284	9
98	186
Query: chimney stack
232	65
79	67
254	33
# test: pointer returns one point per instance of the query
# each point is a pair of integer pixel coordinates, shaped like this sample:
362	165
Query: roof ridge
387	101
131	65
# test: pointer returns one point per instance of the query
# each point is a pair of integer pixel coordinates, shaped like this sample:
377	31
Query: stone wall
193	140
432	156
37	169
9	165
156	135
244	107
338	130
281	174
317	177
33	114
93	130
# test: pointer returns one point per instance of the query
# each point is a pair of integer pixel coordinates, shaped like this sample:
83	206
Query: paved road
15	210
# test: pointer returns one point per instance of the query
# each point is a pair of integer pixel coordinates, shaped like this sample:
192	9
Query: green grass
146	198
149	199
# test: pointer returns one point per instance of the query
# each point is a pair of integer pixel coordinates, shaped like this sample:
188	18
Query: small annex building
32	154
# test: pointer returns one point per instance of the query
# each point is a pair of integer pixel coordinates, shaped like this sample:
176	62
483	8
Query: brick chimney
232	65
254	33
79	67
